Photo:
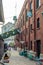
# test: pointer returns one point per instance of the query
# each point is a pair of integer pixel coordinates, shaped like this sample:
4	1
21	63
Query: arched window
38	23
37	3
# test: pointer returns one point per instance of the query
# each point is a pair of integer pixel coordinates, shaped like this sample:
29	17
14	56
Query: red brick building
31	27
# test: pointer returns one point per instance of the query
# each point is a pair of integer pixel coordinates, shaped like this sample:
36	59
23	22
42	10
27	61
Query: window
26	16
31	26
37	3
27	31
24	32
38	23
23	19
30	6
21	22
31	45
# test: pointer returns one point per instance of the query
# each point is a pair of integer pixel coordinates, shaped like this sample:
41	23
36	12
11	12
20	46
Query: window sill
38	7
38	28
31	31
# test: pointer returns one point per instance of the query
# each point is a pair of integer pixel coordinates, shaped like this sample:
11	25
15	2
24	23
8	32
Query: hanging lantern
15	18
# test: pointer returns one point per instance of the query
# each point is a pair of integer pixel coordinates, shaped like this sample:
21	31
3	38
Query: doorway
38	48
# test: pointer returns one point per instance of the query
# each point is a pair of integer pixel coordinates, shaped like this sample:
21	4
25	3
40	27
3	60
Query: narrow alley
16	59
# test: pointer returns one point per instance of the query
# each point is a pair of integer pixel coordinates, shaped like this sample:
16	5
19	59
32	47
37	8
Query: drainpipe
28	28
25	29
34	25
29	33
25	36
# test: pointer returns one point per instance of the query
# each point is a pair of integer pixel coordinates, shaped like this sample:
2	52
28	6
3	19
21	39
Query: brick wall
26	26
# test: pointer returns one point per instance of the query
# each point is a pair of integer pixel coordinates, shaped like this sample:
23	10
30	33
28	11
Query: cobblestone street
16	59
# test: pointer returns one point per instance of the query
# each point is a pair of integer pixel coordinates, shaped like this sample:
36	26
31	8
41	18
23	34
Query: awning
9	33
22	42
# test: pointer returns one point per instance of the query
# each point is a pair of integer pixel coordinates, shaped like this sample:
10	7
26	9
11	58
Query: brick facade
34	35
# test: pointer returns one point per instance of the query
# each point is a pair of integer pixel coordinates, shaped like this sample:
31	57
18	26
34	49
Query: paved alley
16	59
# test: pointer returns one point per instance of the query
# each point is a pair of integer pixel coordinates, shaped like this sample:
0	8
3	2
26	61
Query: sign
29	13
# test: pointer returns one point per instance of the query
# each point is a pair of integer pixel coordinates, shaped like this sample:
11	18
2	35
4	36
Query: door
38	48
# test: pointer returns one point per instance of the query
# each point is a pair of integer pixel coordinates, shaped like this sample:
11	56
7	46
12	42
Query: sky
11	8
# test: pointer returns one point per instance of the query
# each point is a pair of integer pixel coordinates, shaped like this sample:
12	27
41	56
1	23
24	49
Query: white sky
10	10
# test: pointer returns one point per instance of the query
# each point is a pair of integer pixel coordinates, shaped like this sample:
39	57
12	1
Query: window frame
31	6
30	26
38	22
30	45
26	15
38	3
